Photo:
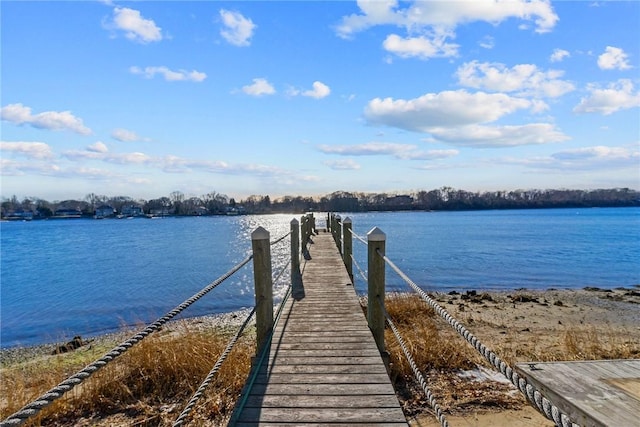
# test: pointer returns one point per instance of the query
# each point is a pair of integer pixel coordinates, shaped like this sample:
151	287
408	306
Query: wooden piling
376	240
347	239
262	274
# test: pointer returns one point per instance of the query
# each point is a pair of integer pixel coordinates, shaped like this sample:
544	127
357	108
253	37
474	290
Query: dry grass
432	347
440	353
149	385
591	344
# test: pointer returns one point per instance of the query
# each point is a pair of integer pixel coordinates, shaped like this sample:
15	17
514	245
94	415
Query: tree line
214	203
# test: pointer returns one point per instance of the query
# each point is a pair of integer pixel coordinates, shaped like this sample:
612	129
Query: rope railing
205	384
360	270
360	238
542	404
279	239
414	367
31	409
58	391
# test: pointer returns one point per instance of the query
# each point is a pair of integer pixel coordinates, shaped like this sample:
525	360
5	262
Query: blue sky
305	98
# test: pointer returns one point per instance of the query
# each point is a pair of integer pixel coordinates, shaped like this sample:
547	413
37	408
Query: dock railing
377	317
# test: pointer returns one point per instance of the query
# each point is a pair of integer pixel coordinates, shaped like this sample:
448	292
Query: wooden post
339	234
303	231
348	246
295	247
263	285
333	226
376	240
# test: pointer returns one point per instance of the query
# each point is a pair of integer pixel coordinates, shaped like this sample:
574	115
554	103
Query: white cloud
90	153
260	86
487	42
124	135
14	168
613	58
559	55
320	90
598	151
420	47
99	151
98	147
592	158
237	30
460	118
446	14
169	75
524	79
51	120
440	154
136	27
448	108
171	163
368	149
31	150
617	96
499	136
342	164
399	151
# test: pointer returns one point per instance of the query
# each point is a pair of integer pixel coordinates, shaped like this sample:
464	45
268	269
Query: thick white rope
58	391
416	372
542	404
202	388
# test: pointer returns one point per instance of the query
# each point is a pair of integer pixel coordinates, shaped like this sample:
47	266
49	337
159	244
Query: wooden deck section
593	392
323	366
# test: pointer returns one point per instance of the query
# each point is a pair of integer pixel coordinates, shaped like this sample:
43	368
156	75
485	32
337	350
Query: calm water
83	277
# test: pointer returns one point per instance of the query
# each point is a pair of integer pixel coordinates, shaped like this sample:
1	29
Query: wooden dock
323	365
594	393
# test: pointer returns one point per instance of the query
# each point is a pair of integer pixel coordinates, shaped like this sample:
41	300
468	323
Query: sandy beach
523	326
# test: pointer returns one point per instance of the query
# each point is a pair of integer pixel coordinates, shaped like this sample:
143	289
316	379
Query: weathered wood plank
341	353
323	365
322	378
303	415
326	345
323	390
326	369
588	391
307	424
319	360
337	401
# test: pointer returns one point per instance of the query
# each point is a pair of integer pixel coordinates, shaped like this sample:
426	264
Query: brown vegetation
152	382
148	385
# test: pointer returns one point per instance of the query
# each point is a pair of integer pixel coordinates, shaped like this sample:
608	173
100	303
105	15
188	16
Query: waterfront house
131	211
19	215
67	213
104	211
199	211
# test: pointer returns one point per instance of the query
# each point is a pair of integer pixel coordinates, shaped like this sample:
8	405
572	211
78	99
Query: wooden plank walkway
592	392
323	366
